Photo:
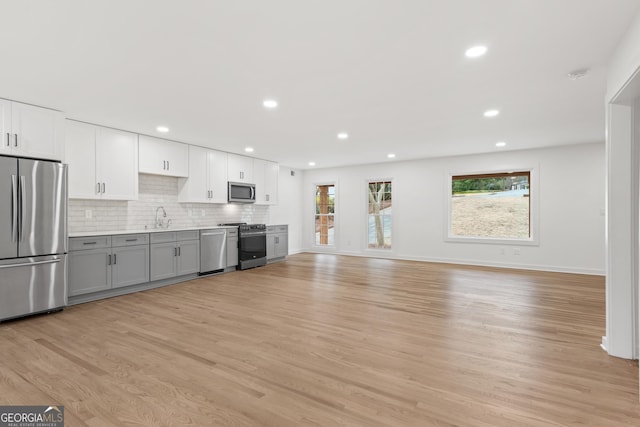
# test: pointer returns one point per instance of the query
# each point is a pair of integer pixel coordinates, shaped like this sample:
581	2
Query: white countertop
139	231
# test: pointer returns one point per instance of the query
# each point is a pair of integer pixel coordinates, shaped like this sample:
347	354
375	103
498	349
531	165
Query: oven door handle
213	234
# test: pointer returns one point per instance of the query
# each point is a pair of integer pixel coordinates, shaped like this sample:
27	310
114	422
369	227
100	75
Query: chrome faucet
160	222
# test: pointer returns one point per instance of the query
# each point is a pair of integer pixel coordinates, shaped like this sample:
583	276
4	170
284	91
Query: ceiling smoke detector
578	74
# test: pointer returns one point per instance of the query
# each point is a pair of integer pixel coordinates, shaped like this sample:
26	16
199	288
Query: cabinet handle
90	243
109	259
98	188
179	251
115	260
164	165
15	139
8	139
175	251
131	240
104	189
267	197
168	165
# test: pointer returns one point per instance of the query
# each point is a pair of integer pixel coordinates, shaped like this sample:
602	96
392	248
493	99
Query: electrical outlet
516	251
88	213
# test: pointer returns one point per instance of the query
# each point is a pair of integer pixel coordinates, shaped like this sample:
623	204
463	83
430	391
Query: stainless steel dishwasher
213	250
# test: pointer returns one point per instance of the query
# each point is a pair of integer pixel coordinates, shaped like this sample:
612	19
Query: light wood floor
329	340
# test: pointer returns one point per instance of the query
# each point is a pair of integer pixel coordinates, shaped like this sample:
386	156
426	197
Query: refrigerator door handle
28	264
14	208
23	206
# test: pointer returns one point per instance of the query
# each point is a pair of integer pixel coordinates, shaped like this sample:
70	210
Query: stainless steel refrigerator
33	236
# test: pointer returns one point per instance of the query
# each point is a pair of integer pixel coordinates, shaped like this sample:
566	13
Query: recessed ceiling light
312	163
475	51
578	74
162	129
391	155
270	103
491	113
343	135
249	149
501	144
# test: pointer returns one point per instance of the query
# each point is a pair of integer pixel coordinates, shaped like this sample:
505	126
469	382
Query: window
379	215
495	205
325	215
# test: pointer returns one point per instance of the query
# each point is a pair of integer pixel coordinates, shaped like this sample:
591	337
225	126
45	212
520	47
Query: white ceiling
391	73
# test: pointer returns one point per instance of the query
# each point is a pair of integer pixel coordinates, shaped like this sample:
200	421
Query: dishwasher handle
218	233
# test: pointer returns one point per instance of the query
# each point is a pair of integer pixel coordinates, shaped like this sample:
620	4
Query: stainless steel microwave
241	192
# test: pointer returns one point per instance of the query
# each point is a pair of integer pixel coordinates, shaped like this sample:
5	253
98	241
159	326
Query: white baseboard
534	267
604	344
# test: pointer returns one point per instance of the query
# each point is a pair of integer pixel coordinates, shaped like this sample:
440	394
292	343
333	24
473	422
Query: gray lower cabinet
163	260
188	257
174	253
130	266
105	262
277	242
89	271
232	247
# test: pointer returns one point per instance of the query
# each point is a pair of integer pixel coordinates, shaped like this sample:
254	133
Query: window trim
314	245
534	203
390	250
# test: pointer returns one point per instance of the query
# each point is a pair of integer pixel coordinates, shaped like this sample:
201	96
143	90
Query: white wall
288	211
625	61
571	209
623	144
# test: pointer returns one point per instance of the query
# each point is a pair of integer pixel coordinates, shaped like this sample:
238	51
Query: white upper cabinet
163	157
265	175
80	155
103	162
240	168
271	177
117	164
31	131
207	182
218	176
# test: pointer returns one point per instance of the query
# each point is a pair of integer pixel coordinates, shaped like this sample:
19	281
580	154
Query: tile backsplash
155	191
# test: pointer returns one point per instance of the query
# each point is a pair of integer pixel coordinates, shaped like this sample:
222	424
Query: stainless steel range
252	245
